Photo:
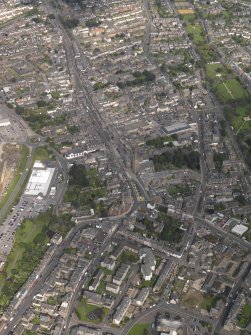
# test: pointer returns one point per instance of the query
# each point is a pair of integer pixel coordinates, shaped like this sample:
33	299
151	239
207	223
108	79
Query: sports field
185	11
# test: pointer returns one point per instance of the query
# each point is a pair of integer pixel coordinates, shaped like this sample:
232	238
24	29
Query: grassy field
25	235
84	309
230	90
42	154
213	71
139	329
236	117
245	316
209	301
196	32
18	172
29	247
188	17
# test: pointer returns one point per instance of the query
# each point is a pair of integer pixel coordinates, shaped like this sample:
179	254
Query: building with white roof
40	180
239	229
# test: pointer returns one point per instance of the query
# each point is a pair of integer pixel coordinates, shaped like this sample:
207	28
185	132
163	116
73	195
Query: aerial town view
125	167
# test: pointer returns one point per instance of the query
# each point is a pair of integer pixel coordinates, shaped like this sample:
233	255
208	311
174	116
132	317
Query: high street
72	50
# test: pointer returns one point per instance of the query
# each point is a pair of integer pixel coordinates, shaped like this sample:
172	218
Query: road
163	307
231	300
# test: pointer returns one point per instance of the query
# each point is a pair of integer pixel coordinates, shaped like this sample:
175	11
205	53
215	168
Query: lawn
245	316
25	235
196	32
29	247
84	309
188	17
179	190
209	301
236	117
42	154
230	90
101	287
140	329
213	70
236	89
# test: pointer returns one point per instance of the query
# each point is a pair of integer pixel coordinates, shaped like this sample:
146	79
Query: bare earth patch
10	157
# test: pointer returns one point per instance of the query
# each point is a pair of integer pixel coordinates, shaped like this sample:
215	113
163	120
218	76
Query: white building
40	180
239	229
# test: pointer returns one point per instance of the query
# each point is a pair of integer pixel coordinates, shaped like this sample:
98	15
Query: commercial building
40	180
168	326
239	229
180	127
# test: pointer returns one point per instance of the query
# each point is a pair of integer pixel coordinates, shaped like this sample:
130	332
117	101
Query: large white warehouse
40	179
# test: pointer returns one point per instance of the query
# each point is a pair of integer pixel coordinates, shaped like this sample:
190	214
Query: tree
92	23
77	175
41	103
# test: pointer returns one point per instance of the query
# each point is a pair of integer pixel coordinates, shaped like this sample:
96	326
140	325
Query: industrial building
40	180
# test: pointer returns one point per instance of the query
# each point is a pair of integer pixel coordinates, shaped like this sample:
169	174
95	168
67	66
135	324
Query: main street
73	53
129	178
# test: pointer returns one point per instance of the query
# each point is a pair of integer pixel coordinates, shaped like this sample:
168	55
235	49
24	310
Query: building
142	296
111	287
98	299
108	263
164	275
82	330
177	128
148	263
168	326
239	229
121	310
121	274
40	180
96	281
